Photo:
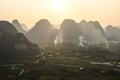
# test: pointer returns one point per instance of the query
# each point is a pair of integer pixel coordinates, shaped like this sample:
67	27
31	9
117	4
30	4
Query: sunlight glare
59	5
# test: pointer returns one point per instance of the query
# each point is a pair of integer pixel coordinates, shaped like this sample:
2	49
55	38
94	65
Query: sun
59	5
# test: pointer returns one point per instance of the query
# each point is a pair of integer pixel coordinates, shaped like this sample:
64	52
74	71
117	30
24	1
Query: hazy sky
30	11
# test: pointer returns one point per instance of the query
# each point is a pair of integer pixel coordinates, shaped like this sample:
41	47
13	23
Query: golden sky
30	11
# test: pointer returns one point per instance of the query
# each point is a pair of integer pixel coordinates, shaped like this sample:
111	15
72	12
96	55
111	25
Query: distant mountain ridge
83	33
18	26
88	33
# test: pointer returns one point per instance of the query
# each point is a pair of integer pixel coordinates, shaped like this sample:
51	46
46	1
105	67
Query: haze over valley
59	40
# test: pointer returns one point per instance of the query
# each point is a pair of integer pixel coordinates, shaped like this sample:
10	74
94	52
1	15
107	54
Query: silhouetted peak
43	23
91	22
2	23
109	26
8	27
70	31
68	23
95	24
112	33
41	32
18	26
15	20
16	23
83	21
112	28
